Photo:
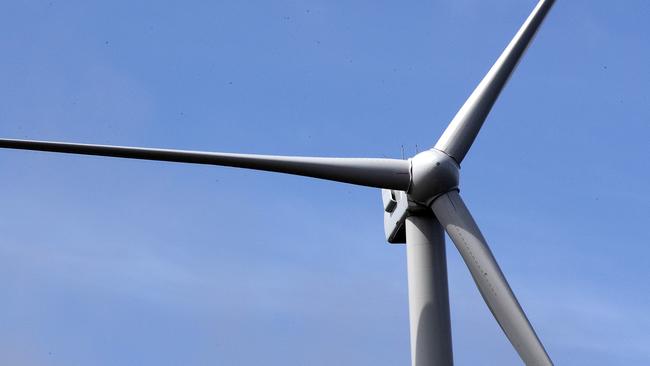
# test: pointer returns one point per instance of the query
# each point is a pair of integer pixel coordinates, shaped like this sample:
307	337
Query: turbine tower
421	201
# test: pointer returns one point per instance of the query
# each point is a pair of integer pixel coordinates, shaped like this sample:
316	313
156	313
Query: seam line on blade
408	189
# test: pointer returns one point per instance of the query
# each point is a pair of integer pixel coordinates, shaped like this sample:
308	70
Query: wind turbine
421	201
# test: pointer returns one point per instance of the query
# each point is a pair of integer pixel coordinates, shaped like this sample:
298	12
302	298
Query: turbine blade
463	231
461	132
380	173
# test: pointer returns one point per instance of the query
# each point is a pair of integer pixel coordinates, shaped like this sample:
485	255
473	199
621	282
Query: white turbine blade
461	132
463	231
380	173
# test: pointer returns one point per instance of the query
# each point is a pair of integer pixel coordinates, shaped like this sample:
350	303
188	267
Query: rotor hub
432	173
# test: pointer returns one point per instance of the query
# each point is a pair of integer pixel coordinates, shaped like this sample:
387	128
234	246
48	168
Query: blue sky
118	262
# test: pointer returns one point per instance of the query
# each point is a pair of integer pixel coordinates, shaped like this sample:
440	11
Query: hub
432	174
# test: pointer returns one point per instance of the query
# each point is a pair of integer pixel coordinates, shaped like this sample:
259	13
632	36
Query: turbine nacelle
432	173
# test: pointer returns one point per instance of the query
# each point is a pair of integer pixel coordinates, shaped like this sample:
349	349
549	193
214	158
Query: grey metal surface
379	173
461	132
395	215
428	292
459	224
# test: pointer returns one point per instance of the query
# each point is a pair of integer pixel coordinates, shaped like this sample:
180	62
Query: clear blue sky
117	262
